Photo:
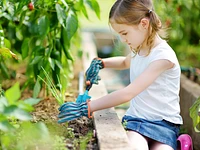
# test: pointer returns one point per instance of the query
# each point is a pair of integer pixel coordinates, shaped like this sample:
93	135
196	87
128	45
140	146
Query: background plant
41	33
12	109
195	115
182	19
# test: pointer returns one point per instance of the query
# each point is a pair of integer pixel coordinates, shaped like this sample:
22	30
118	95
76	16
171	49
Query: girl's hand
73	110
92	72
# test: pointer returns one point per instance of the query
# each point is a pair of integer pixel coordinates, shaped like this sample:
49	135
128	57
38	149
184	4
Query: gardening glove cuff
72	110
98	61
93	71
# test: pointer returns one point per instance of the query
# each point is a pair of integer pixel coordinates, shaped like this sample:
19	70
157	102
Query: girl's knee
137	141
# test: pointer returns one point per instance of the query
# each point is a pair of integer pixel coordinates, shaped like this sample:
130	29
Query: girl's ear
144	23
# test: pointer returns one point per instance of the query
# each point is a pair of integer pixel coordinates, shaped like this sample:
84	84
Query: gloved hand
73	110
93	71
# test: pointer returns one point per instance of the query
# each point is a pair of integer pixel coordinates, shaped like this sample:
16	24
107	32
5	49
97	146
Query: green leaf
37	88
194	114
32	101
19	34
38	50
42	129
13	94
22	16
61	14
4	70
94	6
43	25
52	63
18	113
21	4
27	104
25	48
5	52
35	131
71	25
7	43
66	5
84	10
6	126
33	28
58	63
11	10
25	107
36	60
53	20
3	103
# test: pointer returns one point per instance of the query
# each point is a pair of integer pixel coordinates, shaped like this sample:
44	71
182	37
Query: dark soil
46	111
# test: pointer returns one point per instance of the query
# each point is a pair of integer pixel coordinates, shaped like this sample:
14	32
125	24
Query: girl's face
133	35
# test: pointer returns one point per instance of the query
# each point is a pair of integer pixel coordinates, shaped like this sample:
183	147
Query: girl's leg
137	141
159	146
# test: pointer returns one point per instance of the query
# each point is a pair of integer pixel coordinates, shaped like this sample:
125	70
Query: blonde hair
131	12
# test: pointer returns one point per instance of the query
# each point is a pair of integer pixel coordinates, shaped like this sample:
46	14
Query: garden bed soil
47	110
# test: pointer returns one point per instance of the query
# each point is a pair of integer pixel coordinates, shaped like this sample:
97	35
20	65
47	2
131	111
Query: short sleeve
163	51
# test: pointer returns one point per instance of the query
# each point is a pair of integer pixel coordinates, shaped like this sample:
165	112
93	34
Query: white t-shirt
161	99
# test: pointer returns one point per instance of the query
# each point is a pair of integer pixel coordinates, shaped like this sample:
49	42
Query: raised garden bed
77	134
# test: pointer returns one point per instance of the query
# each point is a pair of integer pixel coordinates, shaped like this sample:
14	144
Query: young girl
153	118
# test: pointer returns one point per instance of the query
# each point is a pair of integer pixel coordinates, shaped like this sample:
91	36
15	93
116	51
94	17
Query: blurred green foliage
195	115
182	18
12	110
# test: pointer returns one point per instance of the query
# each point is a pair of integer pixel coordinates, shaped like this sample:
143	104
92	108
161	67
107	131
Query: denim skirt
162	131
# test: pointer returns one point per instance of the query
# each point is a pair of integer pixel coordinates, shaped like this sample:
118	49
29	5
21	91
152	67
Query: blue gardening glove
73	110
83	98
93	71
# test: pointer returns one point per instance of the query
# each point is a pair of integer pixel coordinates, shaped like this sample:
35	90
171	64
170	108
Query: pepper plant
41	33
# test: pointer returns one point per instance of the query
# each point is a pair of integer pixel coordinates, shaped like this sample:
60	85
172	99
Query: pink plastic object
185	142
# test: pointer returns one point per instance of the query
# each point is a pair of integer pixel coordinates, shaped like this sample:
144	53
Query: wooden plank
110	133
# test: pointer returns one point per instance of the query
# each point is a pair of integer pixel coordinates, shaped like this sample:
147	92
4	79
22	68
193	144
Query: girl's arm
137	86
117	62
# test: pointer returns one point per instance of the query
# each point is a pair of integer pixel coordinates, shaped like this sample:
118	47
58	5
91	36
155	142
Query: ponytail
131	12
154	28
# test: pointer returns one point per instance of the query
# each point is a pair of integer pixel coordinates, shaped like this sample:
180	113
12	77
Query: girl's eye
124	33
